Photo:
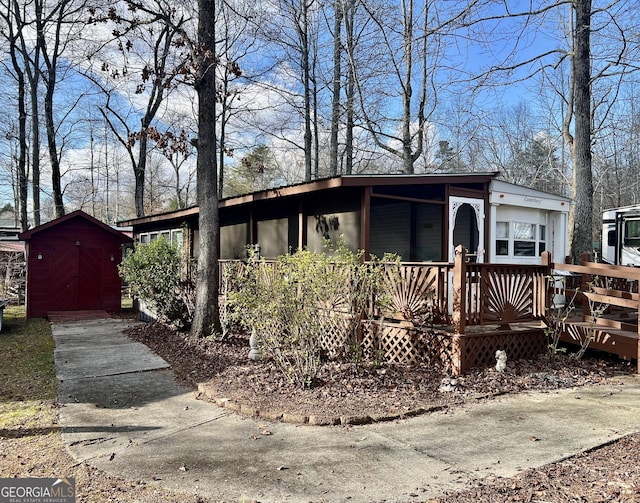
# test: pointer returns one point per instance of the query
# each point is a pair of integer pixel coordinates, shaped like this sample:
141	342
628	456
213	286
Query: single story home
419	217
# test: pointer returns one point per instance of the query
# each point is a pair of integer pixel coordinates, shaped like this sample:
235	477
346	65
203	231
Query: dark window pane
524	248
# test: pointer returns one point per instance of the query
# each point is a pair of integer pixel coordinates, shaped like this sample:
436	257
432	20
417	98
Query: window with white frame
520	239
524	239
173	236
176	238
542	238
502	238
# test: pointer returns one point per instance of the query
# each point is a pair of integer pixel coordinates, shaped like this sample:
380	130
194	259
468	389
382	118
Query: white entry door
466	226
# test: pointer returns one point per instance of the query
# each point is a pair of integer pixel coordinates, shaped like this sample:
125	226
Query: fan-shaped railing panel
504	294
417	292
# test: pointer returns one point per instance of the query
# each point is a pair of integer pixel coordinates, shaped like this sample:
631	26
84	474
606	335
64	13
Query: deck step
623	343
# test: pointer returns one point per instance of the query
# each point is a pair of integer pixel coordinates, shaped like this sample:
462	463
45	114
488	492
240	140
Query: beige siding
331	226
273	237
233	241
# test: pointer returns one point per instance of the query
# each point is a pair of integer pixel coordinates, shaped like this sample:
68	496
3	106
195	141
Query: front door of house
466	227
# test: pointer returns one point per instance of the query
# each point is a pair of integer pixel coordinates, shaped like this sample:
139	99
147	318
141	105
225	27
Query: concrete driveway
124	413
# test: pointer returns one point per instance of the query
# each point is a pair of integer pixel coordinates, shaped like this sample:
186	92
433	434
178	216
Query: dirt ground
611	473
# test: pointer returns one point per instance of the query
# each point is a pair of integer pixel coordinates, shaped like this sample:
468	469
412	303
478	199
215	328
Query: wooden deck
623	343
458	314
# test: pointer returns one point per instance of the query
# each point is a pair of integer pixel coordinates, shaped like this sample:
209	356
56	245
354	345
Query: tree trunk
315	122
223	133
583	181
35	151
407	148
351	86
206	318
22	152
140	169
21	168
337	74
306	78
33	75
54	158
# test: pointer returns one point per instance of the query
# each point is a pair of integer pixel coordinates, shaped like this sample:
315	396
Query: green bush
288	304
152	271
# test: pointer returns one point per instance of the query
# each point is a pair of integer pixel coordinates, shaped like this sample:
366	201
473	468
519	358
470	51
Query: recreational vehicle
621	235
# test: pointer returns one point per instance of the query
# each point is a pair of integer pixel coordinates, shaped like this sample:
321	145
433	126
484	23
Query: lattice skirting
338	334
403	344
478	350
456	354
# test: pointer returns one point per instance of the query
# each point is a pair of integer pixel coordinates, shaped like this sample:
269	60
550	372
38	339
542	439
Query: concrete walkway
125	414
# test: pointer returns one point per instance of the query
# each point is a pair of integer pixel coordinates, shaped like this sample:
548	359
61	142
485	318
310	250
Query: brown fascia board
418	179
160	217
317	186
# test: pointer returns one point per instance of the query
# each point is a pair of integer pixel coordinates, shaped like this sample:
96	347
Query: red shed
72	264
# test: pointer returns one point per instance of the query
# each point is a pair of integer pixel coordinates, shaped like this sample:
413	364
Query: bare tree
291	29
336	88
206	317
407	48
43	36
14	25
350	88
579	111
584	111
154	36
177	149
235	42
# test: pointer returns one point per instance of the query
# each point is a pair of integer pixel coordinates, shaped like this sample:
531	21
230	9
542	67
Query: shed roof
27	235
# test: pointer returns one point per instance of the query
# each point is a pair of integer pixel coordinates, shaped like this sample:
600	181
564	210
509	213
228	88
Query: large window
632	233
409	229
520	239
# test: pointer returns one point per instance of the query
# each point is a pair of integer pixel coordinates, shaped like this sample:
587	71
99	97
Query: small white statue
255	353
501	360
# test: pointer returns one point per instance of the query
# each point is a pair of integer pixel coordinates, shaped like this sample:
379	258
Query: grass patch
26	346
28	384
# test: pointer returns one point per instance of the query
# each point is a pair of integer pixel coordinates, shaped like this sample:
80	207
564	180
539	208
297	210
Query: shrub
289	304
152	271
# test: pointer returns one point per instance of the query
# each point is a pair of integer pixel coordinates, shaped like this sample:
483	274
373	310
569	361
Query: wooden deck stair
618	341
613	291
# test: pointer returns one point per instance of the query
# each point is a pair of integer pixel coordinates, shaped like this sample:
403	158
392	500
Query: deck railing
498	294
417	291
437	310
434	306
493	294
